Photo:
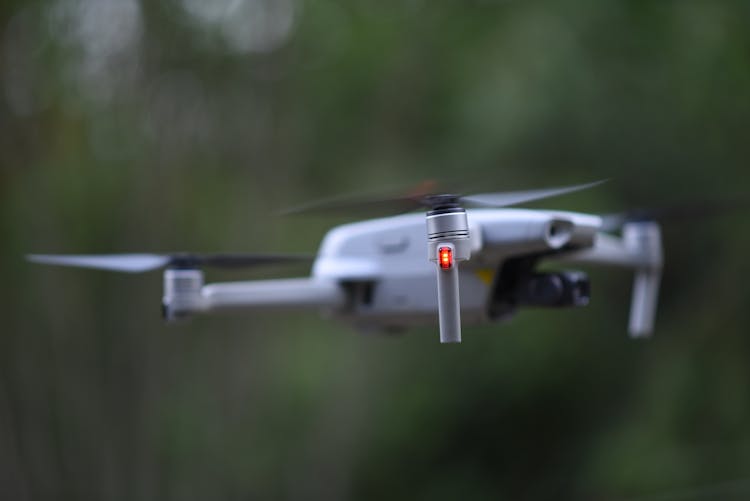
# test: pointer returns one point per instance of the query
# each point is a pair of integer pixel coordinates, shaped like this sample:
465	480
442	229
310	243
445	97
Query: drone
442	258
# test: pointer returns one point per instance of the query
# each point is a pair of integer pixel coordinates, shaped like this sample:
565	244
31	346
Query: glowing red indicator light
445	257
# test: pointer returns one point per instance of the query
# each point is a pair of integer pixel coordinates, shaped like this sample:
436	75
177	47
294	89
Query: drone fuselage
383	263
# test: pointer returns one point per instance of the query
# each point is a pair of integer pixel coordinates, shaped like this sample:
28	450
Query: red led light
445	257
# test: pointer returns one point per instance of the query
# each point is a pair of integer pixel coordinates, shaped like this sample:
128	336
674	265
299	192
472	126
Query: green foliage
143	126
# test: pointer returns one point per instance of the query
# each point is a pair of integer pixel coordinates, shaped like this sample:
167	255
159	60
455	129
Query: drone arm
283	293
449	305
607	250
644	239
640	248
184	294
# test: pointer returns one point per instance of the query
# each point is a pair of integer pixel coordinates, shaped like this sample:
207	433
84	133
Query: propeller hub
183	261
444	201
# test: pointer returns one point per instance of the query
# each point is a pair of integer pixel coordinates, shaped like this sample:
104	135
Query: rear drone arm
185	294
640	249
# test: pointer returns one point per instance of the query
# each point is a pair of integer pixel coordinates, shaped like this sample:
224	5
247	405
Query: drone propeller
139	263
421	197
681	212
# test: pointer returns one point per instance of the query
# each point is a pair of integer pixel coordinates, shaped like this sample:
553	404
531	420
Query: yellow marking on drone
486	275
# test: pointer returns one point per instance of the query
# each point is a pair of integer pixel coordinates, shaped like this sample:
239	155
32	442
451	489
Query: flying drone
448	258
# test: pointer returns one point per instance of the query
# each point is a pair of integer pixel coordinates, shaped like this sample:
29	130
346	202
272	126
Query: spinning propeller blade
138	263
521	197
128	263
400	201
424	196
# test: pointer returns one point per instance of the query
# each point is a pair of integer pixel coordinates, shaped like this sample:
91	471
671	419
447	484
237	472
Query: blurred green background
128	125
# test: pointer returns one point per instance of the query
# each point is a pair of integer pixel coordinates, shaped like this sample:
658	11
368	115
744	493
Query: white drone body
380	274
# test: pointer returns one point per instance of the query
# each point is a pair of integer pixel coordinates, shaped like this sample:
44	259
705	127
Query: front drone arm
185	294
448	244
640	248
449	302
